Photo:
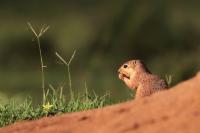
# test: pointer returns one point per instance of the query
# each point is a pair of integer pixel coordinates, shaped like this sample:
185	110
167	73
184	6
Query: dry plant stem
70	83
86	91
68	71
42	68
61	93
69	75
38	35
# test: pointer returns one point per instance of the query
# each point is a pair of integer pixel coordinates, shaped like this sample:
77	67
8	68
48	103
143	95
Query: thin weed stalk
38	35
168	79
67	64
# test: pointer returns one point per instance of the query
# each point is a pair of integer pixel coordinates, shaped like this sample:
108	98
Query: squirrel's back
150	84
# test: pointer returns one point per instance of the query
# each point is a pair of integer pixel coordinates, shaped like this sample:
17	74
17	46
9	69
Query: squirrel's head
129	72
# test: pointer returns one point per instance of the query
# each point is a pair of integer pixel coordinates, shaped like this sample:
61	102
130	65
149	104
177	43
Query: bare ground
172	111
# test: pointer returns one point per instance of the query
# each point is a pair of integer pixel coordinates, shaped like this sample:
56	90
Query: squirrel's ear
139	62
134	63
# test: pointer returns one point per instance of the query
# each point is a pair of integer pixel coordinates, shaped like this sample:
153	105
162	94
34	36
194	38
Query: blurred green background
105	33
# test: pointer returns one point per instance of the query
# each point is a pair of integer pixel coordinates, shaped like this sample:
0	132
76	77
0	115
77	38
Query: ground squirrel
136	76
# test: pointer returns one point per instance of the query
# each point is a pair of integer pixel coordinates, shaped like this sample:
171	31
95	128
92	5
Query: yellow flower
47	106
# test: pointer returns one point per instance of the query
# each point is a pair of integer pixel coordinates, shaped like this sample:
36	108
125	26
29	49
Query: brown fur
136	76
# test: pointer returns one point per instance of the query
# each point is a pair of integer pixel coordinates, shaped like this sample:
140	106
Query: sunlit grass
56	105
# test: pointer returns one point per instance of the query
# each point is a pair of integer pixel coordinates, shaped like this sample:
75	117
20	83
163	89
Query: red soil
172	111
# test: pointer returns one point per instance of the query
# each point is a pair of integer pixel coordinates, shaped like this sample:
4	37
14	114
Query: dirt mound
171	111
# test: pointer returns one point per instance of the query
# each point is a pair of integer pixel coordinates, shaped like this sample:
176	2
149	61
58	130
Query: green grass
54	101
56	104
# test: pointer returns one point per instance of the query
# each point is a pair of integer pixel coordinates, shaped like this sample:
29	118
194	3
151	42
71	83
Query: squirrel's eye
125	66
